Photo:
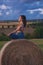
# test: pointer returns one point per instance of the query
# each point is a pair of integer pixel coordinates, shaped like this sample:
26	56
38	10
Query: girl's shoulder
20	24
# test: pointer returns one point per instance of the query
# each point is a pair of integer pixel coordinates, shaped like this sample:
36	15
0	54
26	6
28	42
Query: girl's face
20	19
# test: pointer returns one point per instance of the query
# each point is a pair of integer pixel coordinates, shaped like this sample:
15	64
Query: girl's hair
23	19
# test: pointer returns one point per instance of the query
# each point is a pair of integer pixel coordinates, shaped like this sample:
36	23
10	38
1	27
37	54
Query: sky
12	9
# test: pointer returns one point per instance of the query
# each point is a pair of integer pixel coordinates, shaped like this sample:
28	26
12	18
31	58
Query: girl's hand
8	34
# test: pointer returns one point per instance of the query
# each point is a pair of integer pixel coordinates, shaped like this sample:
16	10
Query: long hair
23	19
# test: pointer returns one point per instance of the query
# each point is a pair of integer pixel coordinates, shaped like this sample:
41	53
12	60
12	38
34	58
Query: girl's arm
15	30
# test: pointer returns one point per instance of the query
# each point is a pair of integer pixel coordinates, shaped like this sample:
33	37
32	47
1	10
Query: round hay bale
21	52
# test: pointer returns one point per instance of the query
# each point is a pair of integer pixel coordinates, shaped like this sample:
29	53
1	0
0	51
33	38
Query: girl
18	33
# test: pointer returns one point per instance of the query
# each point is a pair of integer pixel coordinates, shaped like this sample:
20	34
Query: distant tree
38	33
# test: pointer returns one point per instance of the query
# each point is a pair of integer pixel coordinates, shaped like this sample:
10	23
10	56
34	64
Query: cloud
5	10
35	3
7	13
4	7
36	10
31	12
0	13
13	8
41	12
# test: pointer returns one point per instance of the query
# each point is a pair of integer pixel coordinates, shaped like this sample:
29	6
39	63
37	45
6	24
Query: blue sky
12	9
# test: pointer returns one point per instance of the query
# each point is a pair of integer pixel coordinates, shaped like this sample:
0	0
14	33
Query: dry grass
22	52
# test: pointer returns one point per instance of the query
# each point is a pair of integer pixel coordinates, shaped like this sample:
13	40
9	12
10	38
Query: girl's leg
13	36
17	36
20	35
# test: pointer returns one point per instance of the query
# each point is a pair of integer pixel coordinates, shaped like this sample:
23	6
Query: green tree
38	33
